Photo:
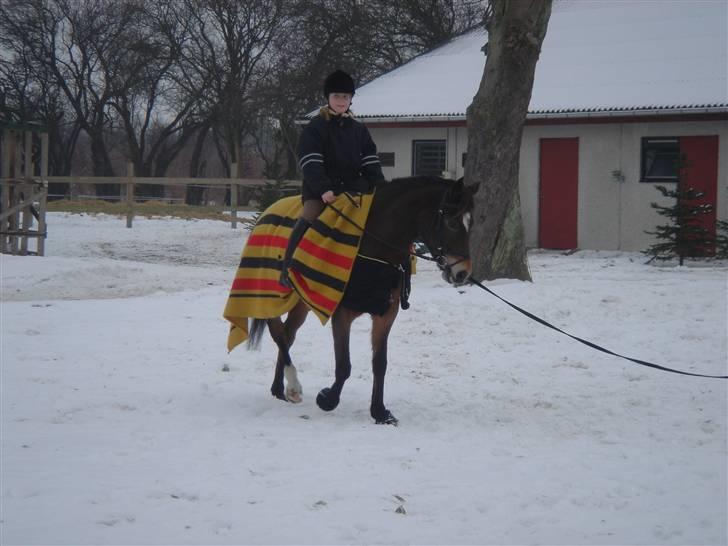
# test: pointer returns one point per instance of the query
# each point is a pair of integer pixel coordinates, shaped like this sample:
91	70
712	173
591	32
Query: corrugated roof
598	56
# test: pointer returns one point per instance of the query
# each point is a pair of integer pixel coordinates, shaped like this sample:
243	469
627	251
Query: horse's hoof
387	419
293	396
326	401
278	394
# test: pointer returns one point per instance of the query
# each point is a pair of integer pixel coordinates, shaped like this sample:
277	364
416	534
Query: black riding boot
296	235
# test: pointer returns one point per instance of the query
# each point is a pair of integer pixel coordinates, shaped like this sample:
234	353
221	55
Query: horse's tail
257	328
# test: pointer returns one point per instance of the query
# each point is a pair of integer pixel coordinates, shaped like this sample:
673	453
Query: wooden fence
24	189
129	182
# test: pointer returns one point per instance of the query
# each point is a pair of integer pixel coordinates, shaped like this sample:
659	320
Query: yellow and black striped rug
320	270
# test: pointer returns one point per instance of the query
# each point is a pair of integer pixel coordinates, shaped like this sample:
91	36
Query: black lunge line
589	343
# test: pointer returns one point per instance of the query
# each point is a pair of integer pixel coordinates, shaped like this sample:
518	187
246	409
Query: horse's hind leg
381	326
284	334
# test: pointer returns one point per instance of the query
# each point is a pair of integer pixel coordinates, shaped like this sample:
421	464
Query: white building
622	88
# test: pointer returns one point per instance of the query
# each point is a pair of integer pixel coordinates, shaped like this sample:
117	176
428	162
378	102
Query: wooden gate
23	189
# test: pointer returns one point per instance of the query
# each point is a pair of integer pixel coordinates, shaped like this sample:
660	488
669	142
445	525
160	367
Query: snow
119	425
597	54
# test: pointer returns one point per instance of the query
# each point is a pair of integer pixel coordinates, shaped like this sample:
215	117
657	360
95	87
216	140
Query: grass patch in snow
147	209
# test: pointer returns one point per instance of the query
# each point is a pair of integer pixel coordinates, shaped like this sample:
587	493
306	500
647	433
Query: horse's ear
470	190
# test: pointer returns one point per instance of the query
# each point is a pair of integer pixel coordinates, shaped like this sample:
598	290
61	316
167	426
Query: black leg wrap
326	400
277	391
386	419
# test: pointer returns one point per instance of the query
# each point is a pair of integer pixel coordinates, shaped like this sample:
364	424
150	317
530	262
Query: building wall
614	206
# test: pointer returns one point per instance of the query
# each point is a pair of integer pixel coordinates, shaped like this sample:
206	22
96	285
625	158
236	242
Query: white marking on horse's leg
294	390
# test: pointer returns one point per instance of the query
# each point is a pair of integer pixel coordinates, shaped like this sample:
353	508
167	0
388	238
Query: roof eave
552	114
622	112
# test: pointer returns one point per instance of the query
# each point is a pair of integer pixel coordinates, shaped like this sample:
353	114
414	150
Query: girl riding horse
433	210
336	154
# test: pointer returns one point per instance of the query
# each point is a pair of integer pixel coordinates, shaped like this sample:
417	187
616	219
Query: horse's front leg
381	326
341	322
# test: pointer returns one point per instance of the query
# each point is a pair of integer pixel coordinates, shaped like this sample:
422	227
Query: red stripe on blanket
267	240
316	297
326	255
259	284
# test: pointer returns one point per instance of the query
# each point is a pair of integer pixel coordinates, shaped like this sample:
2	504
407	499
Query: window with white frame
660	159
429	157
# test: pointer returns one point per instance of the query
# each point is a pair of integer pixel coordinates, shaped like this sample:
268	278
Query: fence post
129	194
234	195
5	174
15	190
44	180
28	168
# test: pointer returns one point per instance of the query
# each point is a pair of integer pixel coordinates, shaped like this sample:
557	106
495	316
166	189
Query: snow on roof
598	55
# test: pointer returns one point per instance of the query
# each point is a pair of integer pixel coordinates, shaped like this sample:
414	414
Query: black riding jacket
337	153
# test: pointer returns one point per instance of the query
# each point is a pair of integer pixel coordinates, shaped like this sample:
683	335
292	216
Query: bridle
440	254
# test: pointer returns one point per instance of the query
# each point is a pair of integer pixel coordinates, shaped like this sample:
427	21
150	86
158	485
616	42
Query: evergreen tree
721	239
683	236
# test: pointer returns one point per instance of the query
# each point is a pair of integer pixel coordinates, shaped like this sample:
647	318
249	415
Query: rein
379	239
590	343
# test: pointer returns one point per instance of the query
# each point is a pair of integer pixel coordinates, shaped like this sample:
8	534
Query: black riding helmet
338	82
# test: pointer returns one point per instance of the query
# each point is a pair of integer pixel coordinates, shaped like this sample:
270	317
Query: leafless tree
228	51
62	40
407	28
143	71
28	94
495	125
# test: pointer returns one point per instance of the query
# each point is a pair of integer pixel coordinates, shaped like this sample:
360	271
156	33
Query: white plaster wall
399	141
638	216
598	193
612	214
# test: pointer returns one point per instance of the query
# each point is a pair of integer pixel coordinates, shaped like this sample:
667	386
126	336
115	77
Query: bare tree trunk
102	164
495	125
194	194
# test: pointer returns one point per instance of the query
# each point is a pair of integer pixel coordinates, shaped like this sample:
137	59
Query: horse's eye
452	223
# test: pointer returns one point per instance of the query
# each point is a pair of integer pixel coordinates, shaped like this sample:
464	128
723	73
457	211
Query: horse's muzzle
455	269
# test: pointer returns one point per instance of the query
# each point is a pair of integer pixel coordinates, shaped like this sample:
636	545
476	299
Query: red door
558	193
701	173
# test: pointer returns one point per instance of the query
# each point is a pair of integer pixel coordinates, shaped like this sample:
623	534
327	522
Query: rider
336	153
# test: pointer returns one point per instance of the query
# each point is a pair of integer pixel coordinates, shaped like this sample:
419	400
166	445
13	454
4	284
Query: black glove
361	185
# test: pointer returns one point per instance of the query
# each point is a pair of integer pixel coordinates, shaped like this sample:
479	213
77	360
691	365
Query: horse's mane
408	184
400	186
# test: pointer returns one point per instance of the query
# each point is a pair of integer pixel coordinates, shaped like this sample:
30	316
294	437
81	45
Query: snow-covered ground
119	425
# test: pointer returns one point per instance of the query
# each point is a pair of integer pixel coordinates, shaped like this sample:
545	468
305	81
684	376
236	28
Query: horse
432	210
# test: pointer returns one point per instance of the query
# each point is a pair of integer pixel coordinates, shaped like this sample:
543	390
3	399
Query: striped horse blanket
319	272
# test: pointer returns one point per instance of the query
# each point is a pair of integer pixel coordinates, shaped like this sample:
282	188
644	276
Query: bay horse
433	210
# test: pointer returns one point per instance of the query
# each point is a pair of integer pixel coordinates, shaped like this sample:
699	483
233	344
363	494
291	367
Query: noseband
440	252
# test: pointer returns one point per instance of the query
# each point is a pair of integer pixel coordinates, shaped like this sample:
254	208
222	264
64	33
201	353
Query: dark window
660	158
465	158
428	157
386	159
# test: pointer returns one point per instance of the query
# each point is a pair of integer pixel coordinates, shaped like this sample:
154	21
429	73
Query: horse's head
447	237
